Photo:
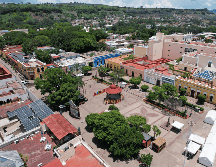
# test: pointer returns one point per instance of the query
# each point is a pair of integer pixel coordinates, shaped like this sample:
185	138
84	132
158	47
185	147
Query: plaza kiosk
159	144
147	139
113	94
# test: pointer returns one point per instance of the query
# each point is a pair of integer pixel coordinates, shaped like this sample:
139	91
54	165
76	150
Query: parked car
25	82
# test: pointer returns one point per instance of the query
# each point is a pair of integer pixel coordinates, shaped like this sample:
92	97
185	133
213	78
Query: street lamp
191	124
61	108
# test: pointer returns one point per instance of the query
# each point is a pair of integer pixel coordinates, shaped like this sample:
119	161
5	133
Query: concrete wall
20	136
204	60
175	50
140	51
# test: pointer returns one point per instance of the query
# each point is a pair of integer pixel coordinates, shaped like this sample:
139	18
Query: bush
183	99
201	98
144	87
182	91
113	107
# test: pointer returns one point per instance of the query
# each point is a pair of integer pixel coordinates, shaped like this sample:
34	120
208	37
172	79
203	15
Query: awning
177	125
197	139
192	147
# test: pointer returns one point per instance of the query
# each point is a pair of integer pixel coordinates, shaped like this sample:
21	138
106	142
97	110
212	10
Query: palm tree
156	131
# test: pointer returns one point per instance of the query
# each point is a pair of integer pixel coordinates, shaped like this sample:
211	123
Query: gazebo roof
159	141
113	89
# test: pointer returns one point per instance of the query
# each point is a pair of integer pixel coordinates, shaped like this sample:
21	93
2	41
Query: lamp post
61	108
191	124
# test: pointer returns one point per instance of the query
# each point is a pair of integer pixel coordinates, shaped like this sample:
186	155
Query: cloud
208	4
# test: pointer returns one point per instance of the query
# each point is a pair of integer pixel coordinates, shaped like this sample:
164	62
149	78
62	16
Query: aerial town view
108	83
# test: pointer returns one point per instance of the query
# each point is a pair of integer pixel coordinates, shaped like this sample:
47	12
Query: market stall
192	148
159	144
197	139
177	125
207	156
210	117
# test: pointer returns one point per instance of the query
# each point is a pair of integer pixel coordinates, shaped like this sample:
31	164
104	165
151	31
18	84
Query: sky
179	4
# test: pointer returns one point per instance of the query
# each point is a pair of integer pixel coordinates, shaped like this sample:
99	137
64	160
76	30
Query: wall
177	49
18	137
203	62
137	72
189	59
192	86
140	51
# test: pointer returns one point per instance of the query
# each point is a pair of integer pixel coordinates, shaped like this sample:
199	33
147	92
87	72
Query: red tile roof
59	125
54	163
33	149
113	89
55	57
83	158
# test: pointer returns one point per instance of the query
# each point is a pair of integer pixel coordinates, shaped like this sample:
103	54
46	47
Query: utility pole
191	124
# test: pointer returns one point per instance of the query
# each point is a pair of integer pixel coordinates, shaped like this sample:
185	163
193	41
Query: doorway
192	93
132	74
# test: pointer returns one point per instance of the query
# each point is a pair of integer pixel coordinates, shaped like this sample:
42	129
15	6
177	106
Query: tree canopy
43	56
60	86
113	129
135	81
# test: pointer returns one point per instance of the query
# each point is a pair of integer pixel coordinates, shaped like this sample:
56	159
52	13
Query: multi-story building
32	69
137	66
172	47
158	76
116	62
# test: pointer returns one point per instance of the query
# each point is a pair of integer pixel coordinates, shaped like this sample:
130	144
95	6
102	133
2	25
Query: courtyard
133	104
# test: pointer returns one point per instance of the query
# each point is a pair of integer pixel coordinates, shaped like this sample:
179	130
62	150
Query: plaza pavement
132	104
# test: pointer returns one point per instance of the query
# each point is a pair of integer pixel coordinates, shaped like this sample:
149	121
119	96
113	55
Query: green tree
183	99
146	128
2	42
159	93
136	120
112	129
29	47
43	56
86	69
151	96
156	130
144	88
60	86
67	92
147	159
41	40
170	90
113	107
135	81
102	71
201	98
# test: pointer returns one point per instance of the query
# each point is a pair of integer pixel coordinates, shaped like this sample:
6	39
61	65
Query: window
201	50
168	50
42	69
180	52
169	45
179	87
168	55
209	63
41	76
181	47
38	69
141	75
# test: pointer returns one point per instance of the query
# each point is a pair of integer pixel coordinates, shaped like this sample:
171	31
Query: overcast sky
180	4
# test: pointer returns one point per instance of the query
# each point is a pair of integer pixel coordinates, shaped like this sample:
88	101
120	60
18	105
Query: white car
25	82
